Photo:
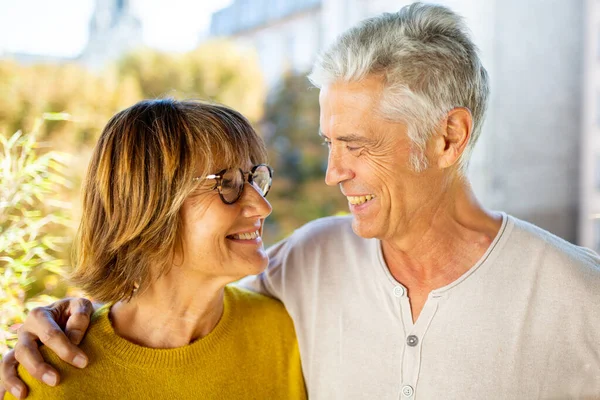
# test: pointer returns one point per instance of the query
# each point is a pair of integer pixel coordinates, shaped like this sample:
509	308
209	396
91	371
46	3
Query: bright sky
60	27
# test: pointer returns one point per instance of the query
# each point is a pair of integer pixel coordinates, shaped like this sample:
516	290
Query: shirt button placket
411	362
407	391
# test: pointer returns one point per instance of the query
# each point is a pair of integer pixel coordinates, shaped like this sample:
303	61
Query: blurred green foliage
298	156
217	70
33	223
39	193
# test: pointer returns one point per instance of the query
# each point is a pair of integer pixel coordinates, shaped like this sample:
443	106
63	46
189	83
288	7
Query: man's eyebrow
354	138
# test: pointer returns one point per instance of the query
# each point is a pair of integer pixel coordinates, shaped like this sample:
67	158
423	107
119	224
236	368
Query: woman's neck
173	312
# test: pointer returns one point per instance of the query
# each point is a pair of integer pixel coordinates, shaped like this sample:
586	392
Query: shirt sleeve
271	282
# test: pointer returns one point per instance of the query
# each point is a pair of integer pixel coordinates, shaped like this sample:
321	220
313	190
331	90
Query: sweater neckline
103	335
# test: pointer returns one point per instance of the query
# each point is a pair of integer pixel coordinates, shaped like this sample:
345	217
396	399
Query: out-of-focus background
66	66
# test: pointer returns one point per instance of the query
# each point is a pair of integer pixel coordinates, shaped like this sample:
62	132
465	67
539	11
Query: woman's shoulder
242	298
71	377
256	308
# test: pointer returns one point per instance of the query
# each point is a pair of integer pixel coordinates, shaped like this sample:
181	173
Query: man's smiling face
369	157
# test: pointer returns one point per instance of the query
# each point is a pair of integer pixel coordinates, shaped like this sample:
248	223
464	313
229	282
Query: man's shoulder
554	253
318	252
326	225
321	241
325	230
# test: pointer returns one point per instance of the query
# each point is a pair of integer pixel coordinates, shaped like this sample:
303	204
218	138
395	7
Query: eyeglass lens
262	179
232	182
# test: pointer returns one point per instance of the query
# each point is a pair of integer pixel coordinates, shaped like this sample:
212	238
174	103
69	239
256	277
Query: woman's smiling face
224	240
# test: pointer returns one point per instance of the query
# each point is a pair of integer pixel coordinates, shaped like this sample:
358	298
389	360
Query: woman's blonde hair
140	173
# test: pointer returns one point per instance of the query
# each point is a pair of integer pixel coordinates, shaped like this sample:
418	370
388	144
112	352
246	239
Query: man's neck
441	244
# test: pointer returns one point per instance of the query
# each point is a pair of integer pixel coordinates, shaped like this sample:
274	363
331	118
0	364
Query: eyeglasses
230	182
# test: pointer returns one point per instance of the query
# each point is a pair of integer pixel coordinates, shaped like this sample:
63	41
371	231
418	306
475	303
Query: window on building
598	109
290	45
596	235
598	45
597	172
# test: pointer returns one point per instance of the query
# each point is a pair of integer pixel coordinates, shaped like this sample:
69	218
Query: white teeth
246	236
356	200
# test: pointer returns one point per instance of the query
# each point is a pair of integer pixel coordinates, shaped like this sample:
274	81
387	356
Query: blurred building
589	218
527	162
114	30
287	34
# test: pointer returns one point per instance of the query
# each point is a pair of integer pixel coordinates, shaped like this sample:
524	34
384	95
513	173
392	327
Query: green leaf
56	116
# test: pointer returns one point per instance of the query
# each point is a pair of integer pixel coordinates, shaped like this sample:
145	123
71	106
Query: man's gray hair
429	65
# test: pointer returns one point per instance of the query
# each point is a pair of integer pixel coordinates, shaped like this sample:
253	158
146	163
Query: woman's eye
227	183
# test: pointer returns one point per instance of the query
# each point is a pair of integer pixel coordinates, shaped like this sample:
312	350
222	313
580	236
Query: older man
421	293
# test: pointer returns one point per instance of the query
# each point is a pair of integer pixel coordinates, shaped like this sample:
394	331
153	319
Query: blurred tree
297	154
33	225
218	70
29	91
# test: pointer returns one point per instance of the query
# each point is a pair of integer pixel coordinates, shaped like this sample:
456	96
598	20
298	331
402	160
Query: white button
407	391
398	291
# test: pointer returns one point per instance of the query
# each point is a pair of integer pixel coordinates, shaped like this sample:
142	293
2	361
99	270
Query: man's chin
363	229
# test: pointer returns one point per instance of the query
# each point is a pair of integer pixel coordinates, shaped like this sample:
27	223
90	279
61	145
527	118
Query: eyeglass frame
246	177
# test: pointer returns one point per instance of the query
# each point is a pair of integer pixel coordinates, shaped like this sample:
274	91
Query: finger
28	354
41	323
80	311
10	381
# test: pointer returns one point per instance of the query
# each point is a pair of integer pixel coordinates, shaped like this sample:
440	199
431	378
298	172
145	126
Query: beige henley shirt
522	323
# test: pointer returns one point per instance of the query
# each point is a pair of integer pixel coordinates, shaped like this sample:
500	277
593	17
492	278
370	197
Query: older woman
173	210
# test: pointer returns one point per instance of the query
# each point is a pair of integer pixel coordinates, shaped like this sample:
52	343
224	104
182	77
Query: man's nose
337	170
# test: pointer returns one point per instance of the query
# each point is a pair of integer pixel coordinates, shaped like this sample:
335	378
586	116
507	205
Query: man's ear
454	136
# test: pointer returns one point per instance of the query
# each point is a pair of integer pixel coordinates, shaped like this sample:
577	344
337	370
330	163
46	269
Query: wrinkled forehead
366	90
350	103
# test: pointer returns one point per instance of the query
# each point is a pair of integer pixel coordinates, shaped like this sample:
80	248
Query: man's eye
351	148
326	143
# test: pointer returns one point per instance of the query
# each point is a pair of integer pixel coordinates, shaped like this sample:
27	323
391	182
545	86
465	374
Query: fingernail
80	361
49	378
16	391
75	337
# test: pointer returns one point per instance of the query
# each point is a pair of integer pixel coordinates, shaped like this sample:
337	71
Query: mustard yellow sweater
251	354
